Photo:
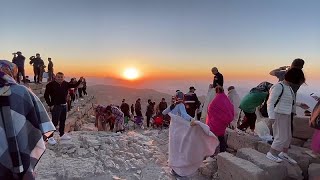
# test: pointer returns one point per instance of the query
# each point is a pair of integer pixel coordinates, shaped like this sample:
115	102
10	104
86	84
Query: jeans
59	116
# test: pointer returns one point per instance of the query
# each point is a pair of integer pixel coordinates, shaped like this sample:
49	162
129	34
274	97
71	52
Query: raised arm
184	113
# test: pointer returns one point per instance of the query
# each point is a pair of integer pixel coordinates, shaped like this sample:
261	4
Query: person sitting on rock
280	105
220	115
250	102
24	126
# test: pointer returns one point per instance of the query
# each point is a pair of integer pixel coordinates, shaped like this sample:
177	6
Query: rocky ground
134	155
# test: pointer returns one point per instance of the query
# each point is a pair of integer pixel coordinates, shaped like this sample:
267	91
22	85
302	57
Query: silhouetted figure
125	108
218	78
37	63
19	59
150	111
50	70
137	108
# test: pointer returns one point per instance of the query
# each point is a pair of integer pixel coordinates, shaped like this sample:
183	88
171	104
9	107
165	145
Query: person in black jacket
56	97
19	61
218	78
50	70
37	63
150	111
191	102
137	108
125	108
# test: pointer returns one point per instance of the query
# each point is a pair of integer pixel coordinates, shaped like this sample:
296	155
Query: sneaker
208	160
312	154
285	156
52	141
173	173
273	158
65	137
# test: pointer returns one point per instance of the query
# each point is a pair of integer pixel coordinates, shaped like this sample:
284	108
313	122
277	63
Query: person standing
218	78
56	97
162	105
50	70
235	100
37	63
125	108
280	74
280	105
191	102
19	61
137	108
24	126
220	115
149	112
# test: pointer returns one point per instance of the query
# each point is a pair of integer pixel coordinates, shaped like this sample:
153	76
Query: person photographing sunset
56	97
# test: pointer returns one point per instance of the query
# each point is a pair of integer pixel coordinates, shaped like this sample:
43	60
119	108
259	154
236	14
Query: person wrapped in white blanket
187	145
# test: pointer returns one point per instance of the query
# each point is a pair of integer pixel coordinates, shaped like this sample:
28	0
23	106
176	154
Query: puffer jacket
286	101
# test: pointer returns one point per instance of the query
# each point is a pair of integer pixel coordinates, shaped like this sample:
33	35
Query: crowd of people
277	101
38	68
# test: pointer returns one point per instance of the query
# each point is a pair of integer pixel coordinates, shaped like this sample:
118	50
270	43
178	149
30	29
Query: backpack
263	108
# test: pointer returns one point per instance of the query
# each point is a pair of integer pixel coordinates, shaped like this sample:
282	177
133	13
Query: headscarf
8	71
262	87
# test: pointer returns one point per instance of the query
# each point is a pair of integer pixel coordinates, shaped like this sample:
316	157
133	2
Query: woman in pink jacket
220	115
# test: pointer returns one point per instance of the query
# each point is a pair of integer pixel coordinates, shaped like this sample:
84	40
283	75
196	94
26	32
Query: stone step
231	167
275	170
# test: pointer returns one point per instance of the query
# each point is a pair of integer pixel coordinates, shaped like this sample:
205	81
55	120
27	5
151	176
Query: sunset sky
165	39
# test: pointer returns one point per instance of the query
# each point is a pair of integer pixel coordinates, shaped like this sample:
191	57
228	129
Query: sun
131	73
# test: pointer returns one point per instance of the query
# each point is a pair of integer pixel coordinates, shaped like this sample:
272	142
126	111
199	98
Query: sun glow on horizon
131	73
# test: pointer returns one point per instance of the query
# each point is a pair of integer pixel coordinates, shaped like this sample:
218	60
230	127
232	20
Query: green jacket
251	101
